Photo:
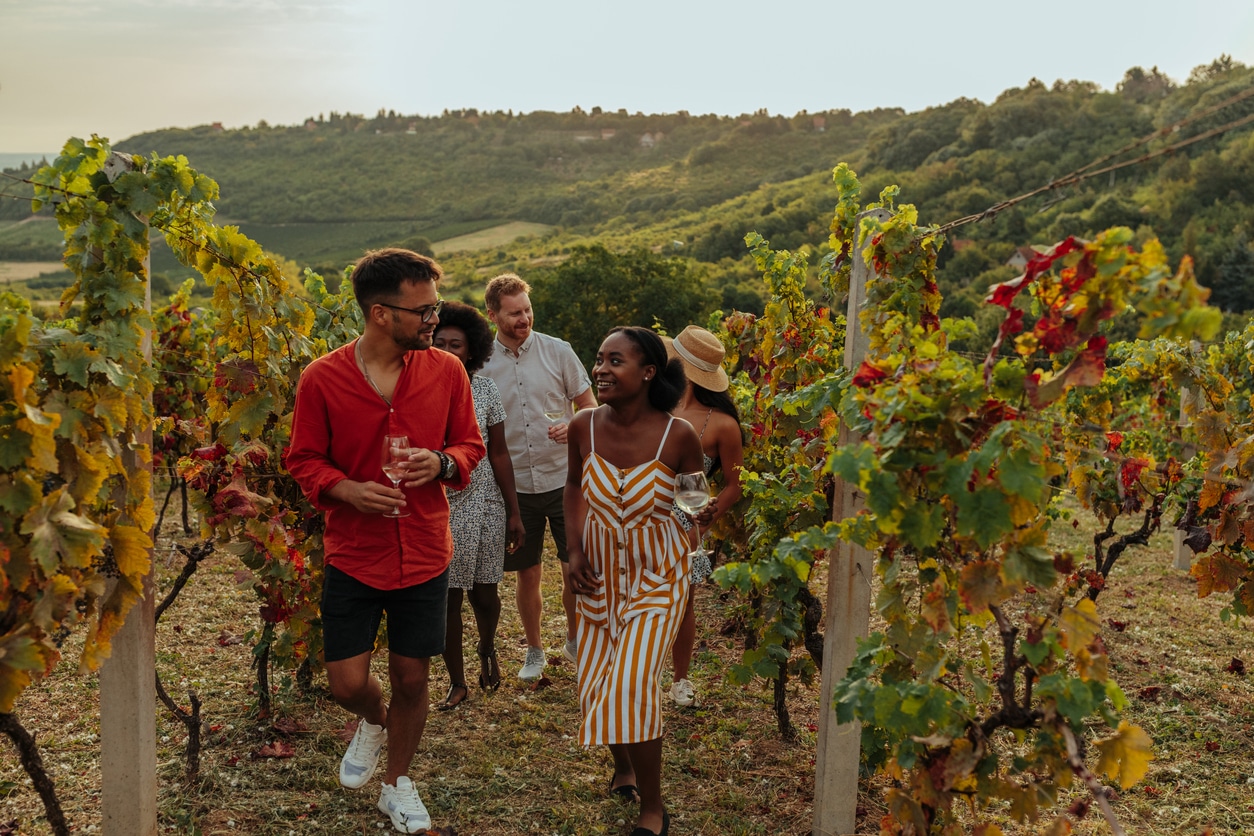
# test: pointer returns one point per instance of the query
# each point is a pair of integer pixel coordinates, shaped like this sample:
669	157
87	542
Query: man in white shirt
529	369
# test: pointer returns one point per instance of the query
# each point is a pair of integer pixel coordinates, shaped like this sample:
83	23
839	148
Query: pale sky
118	68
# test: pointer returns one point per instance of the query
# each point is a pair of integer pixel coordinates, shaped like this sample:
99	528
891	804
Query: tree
1142	86
595	289
1234	286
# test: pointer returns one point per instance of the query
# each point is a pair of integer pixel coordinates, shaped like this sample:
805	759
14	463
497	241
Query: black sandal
665	831
626	792
490	676
449	704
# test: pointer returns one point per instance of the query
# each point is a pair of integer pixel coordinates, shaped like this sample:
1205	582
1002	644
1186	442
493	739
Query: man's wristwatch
448	467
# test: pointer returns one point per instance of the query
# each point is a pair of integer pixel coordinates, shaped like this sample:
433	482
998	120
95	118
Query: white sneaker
401	802
682	693
359	762
533	667
571	651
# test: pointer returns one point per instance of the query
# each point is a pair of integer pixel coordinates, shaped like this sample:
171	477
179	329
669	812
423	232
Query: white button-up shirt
543	364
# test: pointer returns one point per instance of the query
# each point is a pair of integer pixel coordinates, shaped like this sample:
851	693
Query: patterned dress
627	627
477	515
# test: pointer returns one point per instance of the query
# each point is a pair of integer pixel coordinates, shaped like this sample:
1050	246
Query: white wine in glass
692	495
554	408
395	465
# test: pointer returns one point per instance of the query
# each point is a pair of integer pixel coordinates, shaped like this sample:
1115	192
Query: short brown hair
506	284
380	273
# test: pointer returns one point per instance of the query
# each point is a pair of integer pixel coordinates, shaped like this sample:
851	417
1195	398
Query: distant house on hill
1021	257
608	133
820	123
217	128
311	125
960	244
649	139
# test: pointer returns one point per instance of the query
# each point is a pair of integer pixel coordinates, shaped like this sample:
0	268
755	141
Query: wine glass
395	465
692	494
554	407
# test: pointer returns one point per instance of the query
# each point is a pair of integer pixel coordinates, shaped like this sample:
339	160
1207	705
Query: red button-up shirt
337	433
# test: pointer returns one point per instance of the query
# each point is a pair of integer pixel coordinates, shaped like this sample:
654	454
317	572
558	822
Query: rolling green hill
526	188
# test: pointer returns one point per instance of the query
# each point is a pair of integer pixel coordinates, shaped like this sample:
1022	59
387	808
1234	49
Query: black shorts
536	509
352	610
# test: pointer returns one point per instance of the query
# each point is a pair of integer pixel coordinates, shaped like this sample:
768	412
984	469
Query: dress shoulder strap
592	432
658	455
706	424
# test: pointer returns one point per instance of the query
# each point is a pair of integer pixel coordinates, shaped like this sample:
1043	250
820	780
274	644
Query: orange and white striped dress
626	628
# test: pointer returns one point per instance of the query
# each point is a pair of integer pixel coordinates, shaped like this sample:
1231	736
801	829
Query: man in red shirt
385	383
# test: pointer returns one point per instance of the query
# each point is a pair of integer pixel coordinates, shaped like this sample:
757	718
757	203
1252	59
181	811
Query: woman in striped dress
628	556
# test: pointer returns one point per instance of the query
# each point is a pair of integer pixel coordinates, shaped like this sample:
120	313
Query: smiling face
513	320
407	329
620	373
453	340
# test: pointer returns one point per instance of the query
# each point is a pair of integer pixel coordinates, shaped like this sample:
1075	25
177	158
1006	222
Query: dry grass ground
20	271
507	762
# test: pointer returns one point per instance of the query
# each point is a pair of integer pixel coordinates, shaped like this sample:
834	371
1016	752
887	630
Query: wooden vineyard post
128	684
837	758
1182	555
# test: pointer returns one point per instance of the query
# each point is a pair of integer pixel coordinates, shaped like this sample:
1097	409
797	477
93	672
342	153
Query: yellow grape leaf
1125	755
987	830
40	426
1022	800
1212	492
905	810
20	377
1059	827
131	550
1092	666
20	658
60	536
54	602
1079	624
91	475
111	409
1022	511
980	585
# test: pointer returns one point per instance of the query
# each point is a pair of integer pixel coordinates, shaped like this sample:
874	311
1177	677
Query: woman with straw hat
706	405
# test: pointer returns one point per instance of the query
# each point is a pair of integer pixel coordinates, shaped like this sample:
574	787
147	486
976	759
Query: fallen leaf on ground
226	639
289	725
542	682
346	733
277	749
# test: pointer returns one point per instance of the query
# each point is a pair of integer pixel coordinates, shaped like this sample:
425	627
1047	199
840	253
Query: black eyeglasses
425	312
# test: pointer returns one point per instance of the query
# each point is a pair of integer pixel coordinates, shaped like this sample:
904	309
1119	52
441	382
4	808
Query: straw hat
702	355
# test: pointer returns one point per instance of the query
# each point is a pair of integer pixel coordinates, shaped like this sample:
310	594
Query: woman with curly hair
484	517
708	406
629	562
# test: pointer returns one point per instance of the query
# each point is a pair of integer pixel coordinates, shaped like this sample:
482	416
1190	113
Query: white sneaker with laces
362	756
682	693
402	804
571	651
533	667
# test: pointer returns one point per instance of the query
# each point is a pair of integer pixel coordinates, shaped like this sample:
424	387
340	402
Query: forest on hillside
690	187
